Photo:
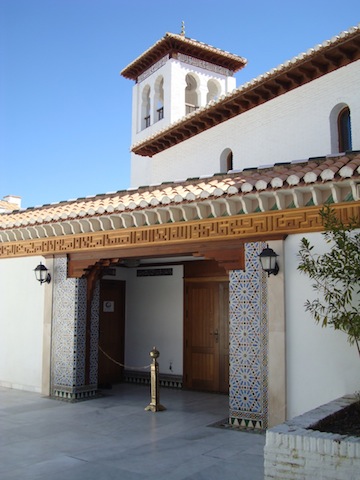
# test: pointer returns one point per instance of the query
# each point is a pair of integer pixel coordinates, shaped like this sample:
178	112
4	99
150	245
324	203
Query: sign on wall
108	306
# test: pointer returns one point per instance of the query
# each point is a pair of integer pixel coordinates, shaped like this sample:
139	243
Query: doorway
206	334
111	332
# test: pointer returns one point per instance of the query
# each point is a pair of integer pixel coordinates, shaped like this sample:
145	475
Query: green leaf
335	275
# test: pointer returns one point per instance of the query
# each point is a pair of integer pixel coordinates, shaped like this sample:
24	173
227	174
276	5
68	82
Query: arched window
340	128
213	91
344	130
191	94
226	161
145	108
229	161
159	99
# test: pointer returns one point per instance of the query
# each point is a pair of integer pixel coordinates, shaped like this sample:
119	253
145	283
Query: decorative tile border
143	378
74	393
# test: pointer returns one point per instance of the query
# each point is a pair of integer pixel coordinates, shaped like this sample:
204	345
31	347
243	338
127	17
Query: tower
174	78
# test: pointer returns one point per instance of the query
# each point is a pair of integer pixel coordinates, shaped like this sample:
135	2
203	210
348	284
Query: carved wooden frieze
250	227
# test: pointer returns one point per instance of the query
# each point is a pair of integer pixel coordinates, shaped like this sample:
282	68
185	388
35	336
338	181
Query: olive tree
335	276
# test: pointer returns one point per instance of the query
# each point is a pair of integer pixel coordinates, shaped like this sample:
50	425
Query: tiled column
69	335
248	397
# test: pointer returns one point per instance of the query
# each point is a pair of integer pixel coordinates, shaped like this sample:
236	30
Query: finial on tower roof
183	28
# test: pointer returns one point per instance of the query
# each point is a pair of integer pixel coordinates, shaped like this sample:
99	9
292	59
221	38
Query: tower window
160	112
145	108
159	99
344	130
213	91
191	94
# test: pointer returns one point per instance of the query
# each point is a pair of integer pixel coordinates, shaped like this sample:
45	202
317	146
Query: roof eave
172	44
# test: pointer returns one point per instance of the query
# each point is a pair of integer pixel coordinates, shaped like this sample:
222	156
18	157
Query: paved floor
112	437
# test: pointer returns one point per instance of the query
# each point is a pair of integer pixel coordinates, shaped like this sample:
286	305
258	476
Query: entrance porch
249	334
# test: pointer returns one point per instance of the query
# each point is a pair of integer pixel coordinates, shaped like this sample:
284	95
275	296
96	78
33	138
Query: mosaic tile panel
63	326
80	331
69	335
94	342
248	397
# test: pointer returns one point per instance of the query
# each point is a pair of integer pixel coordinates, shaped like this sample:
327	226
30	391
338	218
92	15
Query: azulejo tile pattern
63	327
248	394
94	342
80	331
69	336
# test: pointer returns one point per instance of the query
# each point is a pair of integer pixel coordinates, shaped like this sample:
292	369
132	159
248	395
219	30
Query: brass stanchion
155	405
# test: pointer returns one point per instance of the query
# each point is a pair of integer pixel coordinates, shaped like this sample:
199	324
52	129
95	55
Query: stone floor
112	437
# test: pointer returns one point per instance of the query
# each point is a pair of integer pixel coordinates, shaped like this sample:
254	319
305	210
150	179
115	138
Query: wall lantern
268	261
42	275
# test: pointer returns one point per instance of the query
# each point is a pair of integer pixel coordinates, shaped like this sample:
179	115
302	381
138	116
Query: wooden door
224	337
111	332
206	359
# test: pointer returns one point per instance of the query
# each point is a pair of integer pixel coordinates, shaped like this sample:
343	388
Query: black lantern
268	261
42	275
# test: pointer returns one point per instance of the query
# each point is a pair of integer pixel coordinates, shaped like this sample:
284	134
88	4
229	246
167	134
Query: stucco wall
21	324
154	317
291	127
321	365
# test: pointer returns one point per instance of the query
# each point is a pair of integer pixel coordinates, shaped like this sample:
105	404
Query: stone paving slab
112	437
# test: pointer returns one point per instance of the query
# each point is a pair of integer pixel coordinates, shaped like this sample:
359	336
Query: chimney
14	200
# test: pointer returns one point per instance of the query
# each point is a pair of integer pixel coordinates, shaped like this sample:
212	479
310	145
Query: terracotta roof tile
249	181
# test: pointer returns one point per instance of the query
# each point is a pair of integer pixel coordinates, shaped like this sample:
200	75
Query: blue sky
65	112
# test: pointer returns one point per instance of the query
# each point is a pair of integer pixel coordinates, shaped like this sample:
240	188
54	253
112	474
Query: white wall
154	317
294	126
21	324
321	365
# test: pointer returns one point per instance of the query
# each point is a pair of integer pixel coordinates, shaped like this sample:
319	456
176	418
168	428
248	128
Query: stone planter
292	451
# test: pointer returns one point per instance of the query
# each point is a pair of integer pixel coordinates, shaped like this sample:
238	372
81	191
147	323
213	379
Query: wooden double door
206	335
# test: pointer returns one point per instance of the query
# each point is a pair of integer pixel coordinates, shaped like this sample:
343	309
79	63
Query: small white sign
108	306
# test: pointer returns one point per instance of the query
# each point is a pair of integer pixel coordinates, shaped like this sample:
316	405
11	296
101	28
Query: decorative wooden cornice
195	237
172	44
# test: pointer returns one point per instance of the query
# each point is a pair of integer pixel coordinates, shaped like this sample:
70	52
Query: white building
175	263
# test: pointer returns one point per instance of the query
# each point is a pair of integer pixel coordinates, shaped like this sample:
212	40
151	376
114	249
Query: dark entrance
111	332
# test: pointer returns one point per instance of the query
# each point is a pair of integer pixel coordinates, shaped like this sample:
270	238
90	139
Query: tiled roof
267	180
306	67
173	43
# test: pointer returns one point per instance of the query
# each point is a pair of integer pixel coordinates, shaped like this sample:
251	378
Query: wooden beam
230	258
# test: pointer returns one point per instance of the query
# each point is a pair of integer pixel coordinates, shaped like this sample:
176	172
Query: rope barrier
122	364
